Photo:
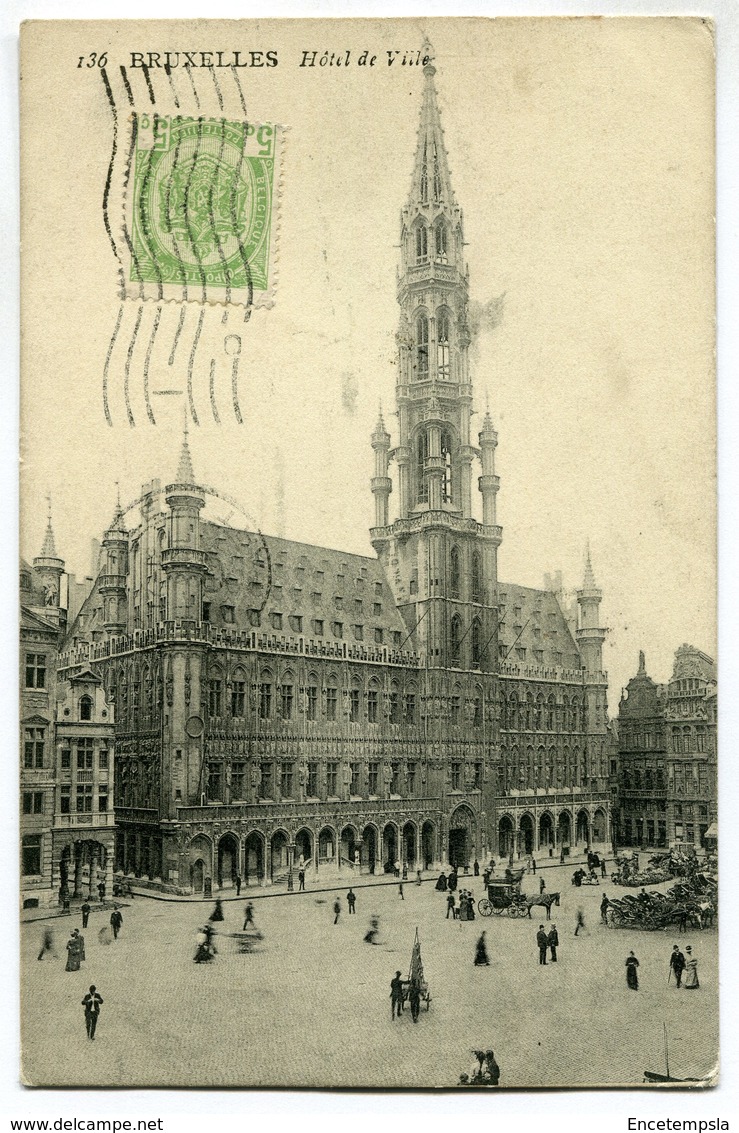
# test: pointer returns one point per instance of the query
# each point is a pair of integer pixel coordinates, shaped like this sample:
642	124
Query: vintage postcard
368	576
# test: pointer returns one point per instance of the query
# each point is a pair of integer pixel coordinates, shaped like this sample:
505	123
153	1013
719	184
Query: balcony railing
138	814
85	820
361	809
253	640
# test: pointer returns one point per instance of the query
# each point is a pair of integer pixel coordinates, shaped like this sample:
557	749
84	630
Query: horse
545	899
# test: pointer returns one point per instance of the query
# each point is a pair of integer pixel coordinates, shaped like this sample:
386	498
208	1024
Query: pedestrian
476	868
47	944
542	884
604	903
491	1074
370	936
237	882
396	996
691	970
533	865
351	900
414	999
452	881
85	910
441	883
248	916
301	881
603	865
553	941
677	965
450	902
396	867
418	877
481	952
400	891
74	952
562	856
580	921
217	914
66	910
116	920
541	940
632	979
405	871
486	878
337	910
101	890
105	936
92	1004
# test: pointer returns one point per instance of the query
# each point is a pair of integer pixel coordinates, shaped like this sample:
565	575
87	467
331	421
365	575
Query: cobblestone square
312	1006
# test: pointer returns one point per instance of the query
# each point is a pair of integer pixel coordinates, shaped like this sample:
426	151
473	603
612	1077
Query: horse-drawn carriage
504	897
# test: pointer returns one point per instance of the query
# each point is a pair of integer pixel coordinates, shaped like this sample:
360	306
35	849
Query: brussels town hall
278	702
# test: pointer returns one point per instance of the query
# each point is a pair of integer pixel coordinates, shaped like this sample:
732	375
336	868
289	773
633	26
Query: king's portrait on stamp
368	684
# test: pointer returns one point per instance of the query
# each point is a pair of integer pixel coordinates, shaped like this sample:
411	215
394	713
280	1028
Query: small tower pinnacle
185	473
48	550
589	579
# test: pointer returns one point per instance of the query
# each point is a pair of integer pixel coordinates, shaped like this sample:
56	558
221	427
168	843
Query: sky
582	157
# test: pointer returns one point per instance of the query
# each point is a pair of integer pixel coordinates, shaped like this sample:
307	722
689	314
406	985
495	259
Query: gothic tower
441	562
590	637
113	575
183	562
48	569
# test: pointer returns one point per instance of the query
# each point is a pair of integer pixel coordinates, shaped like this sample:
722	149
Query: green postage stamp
200	216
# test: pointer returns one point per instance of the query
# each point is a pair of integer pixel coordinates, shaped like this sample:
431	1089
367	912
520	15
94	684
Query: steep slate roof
522	612
307	582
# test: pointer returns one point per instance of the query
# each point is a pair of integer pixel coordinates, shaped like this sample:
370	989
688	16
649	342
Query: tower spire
589	579
431	185
185	473
48	549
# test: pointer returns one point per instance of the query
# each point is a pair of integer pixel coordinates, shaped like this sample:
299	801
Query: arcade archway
369	847
462	829
505	837
546	831
428	844
253	858
526	833
228	861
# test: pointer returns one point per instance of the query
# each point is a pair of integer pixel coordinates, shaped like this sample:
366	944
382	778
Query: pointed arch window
455	640
446	452
443	335
422	345
476	645
442	241
422	243
422	452
454	572
476	577
437	176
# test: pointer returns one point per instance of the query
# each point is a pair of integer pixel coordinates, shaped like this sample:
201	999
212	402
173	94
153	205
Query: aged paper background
582	155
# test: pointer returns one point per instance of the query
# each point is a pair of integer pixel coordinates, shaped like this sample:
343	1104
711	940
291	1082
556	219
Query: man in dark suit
553	941
396	995
677	964
116	920
541	940
85	910
92	1004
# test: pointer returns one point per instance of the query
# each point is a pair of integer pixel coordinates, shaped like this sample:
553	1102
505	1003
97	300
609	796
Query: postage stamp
200	220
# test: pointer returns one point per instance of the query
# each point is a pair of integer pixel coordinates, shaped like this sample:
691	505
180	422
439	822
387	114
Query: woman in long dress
74	954
690	979
632	979
441	883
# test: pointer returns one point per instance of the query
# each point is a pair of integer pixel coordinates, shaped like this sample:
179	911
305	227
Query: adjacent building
666	774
